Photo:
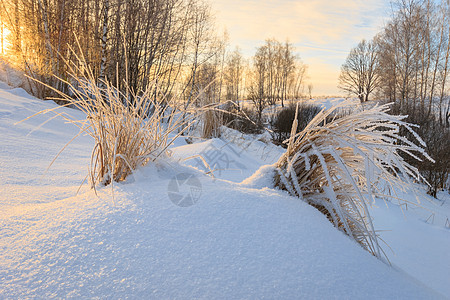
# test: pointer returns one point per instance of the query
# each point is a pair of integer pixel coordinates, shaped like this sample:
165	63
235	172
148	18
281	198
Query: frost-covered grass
337	165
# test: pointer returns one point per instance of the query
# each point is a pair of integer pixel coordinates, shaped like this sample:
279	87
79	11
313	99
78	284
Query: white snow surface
239	240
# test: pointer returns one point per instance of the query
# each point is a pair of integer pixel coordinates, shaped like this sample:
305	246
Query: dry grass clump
338	166
212	121
130	129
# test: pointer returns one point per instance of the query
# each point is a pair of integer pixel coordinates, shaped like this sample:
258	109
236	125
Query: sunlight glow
5	36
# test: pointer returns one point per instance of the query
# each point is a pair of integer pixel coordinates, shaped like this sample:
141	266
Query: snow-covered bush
339	166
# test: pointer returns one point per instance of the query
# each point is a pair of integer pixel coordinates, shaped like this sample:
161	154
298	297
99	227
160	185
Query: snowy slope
237	241
27	151
419	238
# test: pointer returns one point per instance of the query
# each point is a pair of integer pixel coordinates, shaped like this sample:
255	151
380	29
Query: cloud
322	30
316	21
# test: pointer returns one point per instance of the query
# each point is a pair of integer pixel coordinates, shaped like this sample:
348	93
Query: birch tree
359	74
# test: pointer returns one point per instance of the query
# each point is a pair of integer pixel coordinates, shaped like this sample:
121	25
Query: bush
244	120
436	173
212	118
282	123
211	122
437	138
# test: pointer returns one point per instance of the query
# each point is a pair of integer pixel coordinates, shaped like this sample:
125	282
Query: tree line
277	75
135	43
407	63
145	39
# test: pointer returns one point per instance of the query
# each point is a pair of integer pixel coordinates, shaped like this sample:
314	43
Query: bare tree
200	33
359	72
105	12
233	76
297	81
310	89
256	89
288	65
141	40
413	56
413	62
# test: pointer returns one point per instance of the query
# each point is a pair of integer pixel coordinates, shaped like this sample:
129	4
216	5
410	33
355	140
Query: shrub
437	138
336	166
282	123
244	120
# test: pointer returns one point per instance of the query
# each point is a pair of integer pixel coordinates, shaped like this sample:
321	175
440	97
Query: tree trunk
102	75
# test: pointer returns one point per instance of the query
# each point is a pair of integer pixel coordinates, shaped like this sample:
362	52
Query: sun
5	36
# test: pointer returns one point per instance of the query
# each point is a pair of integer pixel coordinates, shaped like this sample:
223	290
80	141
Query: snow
262	178
233	157
26	152
418	237
9	74
241	239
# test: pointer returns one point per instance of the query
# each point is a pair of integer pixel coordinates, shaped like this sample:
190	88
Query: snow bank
233	157
234	243
28	148
10	76
418	237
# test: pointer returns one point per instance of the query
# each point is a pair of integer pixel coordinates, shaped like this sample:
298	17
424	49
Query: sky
323	31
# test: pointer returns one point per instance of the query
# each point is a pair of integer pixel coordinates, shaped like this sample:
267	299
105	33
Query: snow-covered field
234	238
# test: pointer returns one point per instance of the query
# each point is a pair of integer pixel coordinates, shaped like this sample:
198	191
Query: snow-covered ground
234	238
